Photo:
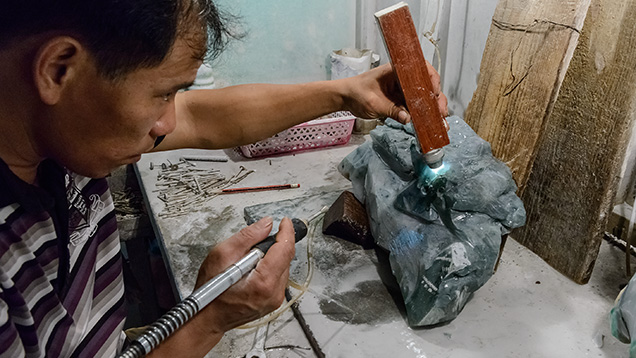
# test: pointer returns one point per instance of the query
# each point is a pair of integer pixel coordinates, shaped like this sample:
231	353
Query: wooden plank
570	192
527	52
407	58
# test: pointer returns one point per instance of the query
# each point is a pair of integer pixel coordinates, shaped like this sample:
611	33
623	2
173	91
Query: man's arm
238	115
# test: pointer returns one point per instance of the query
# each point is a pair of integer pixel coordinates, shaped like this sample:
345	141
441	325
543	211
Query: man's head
93	82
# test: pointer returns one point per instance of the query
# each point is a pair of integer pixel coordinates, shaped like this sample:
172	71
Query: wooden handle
407	58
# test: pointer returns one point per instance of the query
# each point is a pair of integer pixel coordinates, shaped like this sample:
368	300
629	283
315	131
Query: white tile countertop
526	309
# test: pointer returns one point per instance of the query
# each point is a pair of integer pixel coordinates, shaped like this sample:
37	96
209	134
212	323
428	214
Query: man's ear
56	64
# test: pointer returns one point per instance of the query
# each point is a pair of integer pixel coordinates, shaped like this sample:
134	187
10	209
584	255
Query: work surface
353	307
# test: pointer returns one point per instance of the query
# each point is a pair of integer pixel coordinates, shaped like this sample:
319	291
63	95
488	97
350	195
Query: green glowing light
429	175
439	170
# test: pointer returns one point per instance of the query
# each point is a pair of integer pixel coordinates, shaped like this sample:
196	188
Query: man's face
101	124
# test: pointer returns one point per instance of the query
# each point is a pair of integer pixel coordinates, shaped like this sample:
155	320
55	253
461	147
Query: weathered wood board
570	192
527	52
556	100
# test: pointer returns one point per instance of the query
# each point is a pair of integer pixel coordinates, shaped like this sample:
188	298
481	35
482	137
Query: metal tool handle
191	305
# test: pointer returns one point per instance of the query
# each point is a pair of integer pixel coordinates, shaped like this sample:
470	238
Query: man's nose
166	123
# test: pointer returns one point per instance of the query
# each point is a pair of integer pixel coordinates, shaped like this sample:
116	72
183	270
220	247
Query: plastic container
332	129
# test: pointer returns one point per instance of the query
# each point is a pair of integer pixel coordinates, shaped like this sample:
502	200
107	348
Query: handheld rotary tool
191	305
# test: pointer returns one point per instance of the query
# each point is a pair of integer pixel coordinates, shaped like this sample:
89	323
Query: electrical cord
313	224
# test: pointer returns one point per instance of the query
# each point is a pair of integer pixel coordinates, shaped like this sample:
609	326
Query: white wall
463	30
289	41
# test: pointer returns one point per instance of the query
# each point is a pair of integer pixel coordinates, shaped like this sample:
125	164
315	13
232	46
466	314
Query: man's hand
255	295
262	290
377	94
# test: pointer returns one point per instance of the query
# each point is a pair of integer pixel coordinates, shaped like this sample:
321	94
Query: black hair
122	35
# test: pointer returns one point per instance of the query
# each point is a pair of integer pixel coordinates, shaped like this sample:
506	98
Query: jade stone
623	316
442	228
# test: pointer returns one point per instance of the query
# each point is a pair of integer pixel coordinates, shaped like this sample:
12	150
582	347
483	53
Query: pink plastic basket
332	129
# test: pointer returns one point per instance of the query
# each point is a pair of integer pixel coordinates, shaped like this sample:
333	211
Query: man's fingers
230	250
399	113
282	252
253	234
442	102
241	242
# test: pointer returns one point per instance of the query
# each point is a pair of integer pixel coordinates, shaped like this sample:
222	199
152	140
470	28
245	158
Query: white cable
313	223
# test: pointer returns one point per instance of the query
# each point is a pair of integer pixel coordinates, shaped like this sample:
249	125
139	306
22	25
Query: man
88	86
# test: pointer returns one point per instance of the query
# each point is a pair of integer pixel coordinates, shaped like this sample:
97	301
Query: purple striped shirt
61	286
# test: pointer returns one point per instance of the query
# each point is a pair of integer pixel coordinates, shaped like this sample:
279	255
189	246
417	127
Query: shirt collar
32	198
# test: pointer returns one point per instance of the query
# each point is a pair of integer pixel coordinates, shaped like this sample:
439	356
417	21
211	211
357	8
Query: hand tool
258	351
402	44
204	158
304	326
259	188
191	305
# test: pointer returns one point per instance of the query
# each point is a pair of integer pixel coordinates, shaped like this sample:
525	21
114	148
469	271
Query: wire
313	224
429	36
